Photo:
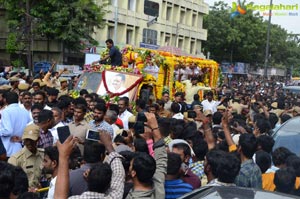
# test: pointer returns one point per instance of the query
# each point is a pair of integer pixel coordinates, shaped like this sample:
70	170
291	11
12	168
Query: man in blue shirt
13	121
174	186
114	55
98	123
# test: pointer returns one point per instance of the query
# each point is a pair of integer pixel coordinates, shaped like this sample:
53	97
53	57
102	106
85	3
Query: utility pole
28	37
268	41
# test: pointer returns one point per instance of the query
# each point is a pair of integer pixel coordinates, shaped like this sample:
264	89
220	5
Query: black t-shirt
115	56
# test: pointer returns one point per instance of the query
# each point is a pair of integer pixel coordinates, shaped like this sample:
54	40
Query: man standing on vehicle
114	54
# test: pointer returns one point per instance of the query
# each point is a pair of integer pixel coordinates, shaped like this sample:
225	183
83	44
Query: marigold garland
139	57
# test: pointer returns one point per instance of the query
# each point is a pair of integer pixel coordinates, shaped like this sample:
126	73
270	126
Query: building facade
156	23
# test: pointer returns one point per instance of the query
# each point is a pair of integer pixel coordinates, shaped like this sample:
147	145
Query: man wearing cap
14	82
63	87
30	158
23	87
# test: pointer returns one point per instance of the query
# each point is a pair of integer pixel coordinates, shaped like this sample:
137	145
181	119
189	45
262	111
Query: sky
287	17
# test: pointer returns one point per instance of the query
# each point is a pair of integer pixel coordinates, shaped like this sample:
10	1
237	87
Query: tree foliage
68	21
243	39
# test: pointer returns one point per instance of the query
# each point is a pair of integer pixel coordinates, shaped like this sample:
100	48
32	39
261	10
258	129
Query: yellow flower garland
167	62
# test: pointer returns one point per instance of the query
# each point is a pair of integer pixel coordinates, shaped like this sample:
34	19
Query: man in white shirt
39	97
124	114
180	74
111	117
210	104
57	114
193	71
13	122
152	69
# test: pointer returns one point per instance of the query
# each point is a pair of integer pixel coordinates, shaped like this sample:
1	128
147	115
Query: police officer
30	158
63	90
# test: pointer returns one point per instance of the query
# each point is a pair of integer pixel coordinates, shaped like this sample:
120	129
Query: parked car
230	192
288	135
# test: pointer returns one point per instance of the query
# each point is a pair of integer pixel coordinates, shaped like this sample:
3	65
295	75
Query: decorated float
138	81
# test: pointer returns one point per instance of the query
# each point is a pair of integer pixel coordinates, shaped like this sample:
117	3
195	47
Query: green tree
243	38
68	21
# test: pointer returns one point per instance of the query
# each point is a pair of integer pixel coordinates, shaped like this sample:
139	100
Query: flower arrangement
138	58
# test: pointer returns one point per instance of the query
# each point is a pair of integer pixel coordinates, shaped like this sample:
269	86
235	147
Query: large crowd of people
159	149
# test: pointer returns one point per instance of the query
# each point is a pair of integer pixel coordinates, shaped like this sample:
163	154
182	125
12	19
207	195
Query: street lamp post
116	21
268	41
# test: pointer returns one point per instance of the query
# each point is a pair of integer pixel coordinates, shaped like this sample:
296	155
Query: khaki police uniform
63	92
30	163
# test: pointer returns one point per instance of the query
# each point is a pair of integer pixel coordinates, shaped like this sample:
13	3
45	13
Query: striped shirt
176	188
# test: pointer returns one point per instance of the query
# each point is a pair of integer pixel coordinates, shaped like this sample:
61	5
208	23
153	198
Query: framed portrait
119	82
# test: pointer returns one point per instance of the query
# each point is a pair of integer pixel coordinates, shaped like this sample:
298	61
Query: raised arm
62	180
210	140
226	130
116	189
160	156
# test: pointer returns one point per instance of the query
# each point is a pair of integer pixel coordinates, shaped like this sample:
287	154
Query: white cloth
13	121
178	116
194	72
54	133
124	117
29	111
212	105
116	129
51	188
47	107
168	105
179	72
152	70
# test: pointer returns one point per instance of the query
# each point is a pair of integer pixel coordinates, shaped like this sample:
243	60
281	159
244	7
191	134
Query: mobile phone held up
92	135
191	114
63	133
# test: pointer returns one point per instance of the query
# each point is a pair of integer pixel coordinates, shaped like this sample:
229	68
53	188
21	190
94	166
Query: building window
192	47
151	8
167	40
114	2
110	32
168	14
180	43
131	5
149	36
129	34
194	19
182	16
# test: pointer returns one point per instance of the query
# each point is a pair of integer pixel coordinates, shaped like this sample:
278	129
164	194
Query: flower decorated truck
145	73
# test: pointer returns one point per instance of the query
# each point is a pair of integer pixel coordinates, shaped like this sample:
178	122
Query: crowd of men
160	150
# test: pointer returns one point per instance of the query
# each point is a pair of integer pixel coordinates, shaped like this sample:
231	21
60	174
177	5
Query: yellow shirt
191	90
268	181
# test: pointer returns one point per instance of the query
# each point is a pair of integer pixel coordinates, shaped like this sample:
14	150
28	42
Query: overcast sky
290	23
